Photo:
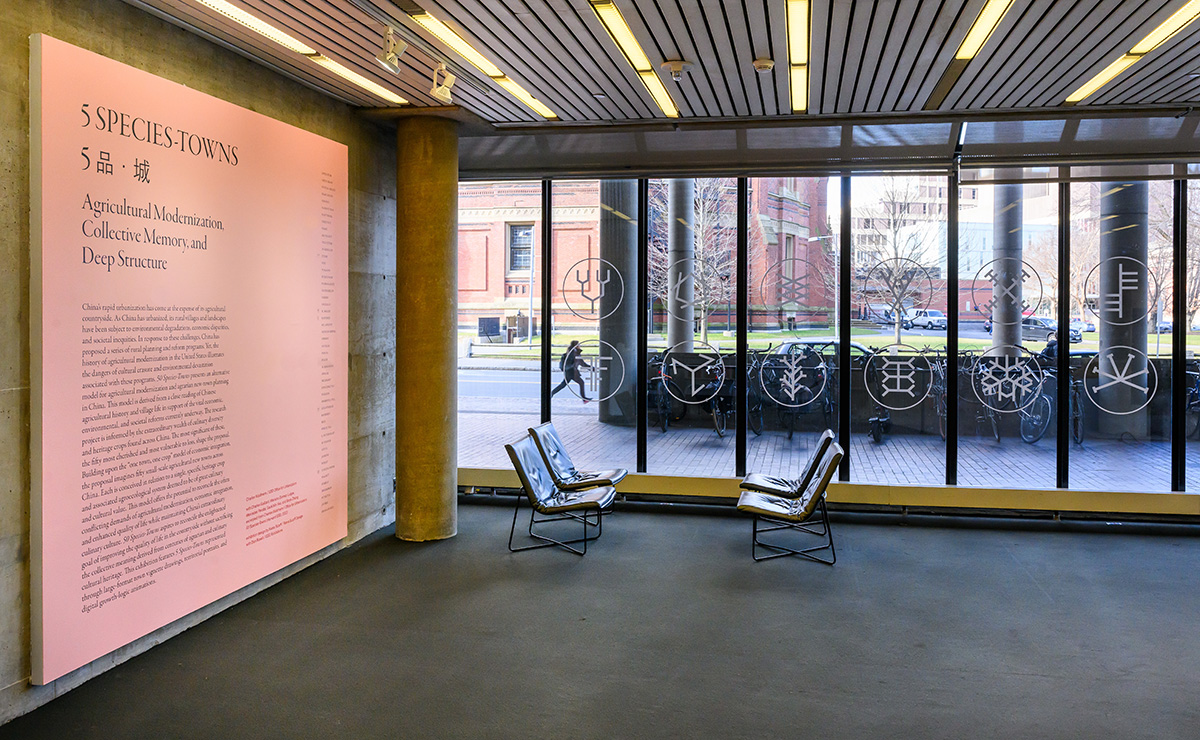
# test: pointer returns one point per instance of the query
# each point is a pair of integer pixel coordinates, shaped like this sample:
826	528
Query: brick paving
901	459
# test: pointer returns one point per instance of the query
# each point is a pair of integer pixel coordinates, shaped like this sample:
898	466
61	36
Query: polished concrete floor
668	629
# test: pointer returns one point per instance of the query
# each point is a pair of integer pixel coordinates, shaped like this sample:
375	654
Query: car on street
1039	329
1082	325
925	318
1165	327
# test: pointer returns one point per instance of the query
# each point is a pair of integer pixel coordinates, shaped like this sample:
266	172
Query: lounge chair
805	513
553	503
562	470
788	487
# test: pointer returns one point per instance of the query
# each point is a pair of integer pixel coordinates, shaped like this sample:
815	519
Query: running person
570	363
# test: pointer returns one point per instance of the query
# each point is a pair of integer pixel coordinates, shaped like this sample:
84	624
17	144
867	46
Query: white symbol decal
793	377
1116	308
1127	281
592	279
1122	376
794	289
692	371
899	376
704	380
599	360
585	282
1007	379
1120	360
1023	291
1004	374
595	369
900	371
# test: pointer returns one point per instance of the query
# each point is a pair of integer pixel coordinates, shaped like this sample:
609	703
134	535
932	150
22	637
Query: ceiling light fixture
441	90
357	79
613	22
981	30
459	45
266	30
389	58
1168	28
797	36
262	28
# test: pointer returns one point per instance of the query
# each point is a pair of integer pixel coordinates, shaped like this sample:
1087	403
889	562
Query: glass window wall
898	257
792	391
499	317
692	333
1008	333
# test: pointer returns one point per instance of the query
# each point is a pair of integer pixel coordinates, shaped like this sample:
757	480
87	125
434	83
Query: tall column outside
1007	252
681	251
426	329
1124	232
618	325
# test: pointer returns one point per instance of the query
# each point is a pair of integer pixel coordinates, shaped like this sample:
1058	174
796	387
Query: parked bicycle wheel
754	413
1076	414
720	419
1035	419
940	406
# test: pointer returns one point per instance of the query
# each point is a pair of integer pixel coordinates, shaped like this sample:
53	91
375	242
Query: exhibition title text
151	132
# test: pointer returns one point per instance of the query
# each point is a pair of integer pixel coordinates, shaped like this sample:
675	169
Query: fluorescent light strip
521	94
460	46
797	31
357	79
1103	78
797	36
659	93
981	30
262	28
450	38
613	22
799	83
1168	28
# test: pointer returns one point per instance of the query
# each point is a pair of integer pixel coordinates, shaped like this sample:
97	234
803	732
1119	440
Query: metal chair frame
807	526
550	541
553	503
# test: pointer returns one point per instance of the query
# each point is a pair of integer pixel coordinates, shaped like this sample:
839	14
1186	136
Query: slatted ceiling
337	35
1164	69
658	42
1047	52
1110	37
774	47
576	78
601	71
509	51
261	48
738	28
992	67
689	35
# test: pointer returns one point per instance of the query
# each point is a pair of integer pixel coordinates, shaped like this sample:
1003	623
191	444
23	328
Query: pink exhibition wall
189	351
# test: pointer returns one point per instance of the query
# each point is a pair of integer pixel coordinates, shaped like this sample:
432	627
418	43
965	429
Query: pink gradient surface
279	267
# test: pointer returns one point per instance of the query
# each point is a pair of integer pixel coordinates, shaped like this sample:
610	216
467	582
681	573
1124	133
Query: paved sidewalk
901	459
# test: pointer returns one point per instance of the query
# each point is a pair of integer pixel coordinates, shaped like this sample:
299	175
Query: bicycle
754	396
664	402
985	412
1036	417
937	385
786	377
1191	409
880	423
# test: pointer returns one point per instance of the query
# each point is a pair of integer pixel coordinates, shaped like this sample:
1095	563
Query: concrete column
618	327
1007	250
1124	232
426	329
681	249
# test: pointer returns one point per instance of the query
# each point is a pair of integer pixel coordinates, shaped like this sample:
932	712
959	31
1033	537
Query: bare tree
715	245
901	242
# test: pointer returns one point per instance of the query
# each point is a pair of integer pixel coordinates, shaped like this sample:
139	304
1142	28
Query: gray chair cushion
543	494
780	486
589	479
560	467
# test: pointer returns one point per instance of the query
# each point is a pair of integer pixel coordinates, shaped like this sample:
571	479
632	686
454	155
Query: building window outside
520	247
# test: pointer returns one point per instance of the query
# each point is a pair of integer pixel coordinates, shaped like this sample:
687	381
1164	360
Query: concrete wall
128	35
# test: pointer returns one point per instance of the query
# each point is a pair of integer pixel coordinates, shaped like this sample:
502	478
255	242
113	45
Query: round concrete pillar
1124	232
618	327
1007	255
681	265
426	329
